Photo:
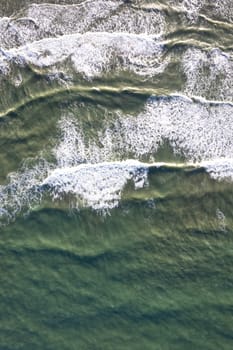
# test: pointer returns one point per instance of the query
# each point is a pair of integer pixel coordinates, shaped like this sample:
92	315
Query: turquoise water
116	175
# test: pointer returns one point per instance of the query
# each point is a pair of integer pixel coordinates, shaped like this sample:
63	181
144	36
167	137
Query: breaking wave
41	21
22	191
95	171
201	131
90	54
99	186
93	39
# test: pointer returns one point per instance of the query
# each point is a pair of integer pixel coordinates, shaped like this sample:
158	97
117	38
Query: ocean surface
116	175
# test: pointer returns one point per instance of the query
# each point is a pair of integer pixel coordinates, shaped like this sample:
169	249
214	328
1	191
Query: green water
154	272
152	275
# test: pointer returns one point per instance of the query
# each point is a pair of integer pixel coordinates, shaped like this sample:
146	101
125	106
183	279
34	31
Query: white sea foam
137	21
94	170
138	135
70	150
221	219
50	20
96	37
22	190
98	186
200	131
91	54
220	168
208	73
192	8
224	9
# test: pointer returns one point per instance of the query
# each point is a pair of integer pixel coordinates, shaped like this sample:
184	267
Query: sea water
116	174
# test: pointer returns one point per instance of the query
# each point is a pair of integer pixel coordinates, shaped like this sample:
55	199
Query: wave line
150	92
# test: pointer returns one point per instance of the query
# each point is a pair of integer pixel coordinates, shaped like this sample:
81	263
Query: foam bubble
50	20
70	150
91	54
132	20
22	190
221	168
201	131
94	170
98	186
198	130
126	135
221	219
40	21
208	73
224	8
191	8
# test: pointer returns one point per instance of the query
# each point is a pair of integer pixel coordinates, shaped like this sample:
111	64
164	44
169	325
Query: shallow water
116	174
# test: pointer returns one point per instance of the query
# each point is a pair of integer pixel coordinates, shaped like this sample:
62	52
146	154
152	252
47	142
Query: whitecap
191	8
224	9
95	170
199	130
91	54
22	190
220	168
40	21
208	73
98	186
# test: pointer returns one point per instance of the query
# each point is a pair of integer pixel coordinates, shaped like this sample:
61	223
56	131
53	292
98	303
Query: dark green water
98	251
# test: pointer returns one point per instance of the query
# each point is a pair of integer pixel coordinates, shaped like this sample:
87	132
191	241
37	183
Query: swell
107	89
97	186
202	37
198	130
